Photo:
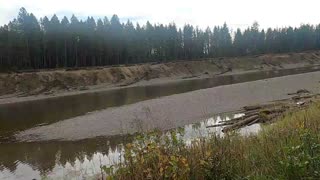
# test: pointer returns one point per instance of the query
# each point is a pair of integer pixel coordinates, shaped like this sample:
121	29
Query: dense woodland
29	43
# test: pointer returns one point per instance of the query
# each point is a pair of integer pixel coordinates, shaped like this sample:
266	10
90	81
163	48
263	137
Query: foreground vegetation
288	149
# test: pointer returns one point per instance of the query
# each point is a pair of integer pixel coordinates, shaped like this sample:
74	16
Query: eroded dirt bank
64	81
173	111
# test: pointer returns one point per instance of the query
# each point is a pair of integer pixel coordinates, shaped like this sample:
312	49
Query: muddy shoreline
172	111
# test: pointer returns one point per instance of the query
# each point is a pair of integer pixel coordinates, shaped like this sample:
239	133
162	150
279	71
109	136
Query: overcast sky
237	13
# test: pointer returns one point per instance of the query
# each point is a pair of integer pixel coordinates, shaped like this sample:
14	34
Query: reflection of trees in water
44	156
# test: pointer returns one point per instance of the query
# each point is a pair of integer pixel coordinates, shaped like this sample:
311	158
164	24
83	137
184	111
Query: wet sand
172	111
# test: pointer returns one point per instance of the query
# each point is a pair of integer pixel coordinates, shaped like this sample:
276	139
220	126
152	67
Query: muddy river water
83	158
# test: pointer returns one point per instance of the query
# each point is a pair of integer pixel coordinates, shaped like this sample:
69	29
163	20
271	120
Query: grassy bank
288	149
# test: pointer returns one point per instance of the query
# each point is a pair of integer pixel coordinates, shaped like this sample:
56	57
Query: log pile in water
266	113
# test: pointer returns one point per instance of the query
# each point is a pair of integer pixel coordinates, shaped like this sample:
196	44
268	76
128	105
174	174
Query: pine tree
238	44
66	37
26	43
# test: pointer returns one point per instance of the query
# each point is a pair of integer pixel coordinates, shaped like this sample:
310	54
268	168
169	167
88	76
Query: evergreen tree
26	43
188	41
238	43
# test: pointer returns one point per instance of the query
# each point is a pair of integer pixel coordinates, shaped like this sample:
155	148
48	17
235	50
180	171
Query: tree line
29	43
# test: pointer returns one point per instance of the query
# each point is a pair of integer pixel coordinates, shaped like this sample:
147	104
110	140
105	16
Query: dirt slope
46	82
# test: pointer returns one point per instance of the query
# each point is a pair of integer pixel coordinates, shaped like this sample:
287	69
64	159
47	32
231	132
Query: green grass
287	149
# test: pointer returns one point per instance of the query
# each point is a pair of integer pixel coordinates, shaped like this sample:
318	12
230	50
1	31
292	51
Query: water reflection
198	130
59	159
82	159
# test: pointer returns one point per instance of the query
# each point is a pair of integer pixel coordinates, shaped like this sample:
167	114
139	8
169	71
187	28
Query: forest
30	43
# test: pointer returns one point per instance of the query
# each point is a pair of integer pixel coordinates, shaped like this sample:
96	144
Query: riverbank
28	86
173	111
217	80
288	149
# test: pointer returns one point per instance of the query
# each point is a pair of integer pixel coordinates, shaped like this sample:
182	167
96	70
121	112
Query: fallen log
300	91
234	119
302	97
254	122
276	110
254	107
226	123
266	113
219	125
229	122
240	123
261	113
248	111
252	113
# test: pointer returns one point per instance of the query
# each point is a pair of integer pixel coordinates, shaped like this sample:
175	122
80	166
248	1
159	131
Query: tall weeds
287	149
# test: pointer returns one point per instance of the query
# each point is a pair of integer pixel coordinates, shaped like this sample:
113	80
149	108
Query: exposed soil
53	82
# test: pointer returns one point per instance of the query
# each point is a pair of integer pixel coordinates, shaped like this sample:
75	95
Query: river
83	157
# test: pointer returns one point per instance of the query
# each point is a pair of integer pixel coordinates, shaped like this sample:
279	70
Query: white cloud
237	13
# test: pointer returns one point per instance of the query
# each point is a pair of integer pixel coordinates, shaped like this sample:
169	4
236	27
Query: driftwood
250	108
241	123
300	91
302	97
233	120
263	113
276	110
254	122
219	125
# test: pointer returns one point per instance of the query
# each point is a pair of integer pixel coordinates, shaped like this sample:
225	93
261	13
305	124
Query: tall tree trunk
76	55
65	53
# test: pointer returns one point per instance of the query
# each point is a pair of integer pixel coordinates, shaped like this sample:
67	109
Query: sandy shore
173	111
